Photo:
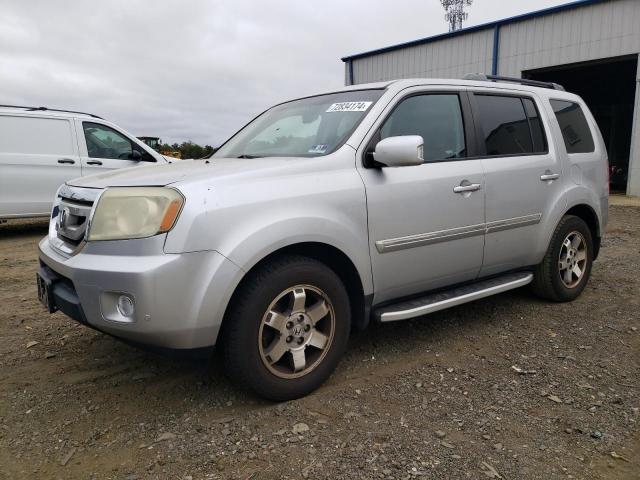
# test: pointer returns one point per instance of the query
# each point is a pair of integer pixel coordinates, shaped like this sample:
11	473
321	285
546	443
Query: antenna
455	12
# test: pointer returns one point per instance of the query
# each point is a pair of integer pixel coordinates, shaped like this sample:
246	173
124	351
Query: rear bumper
179	299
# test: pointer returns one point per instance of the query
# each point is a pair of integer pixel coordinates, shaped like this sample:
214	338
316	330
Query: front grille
70	217
72	220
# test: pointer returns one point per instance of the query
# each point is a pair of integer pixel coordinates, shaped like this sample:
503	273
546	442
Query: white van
41	148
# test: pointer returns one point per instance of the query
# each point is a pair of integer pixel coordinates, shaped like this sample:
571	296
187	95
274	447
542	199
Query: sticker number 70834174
349	107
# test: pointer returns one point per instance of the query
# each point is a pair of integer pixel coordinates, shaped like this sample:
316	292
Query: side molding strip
401	243
516	222
421	239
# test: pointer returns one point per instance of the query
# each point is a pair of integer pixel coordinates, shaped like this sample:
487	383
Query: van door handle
466	187
548	176
94	162
66	160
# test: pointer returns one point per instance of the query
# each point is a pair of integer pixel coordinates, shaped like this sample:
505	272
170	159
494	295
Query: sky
200	69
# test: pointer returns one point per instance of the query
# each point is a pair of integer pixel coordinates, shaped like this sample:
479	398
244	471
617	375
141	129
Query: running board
450	298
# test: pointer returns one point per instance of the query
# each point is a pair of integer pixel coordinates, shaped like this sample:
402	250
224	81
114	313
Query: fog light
125	306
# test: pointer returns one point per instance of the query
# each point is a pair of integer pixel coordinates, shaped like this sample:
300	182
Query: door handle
466	187
94	162
548	176
66	160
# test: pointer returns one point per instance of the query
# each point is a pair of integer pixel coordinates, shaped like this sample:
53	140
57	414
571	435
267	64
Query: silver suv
380	202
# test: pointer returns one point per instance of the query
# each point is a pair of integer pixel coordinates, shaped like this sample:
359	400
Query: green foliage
189	149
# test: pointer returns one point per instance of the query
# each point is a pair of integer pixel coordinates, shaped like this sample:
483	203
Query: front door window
105	142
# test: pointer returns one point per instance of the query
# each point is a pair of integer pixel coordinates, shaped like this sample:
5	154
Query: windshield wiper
248	156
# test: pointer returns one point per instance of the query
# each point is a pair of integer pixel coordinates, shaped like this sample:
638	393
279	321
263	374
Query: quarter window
573	124
437	118
105	142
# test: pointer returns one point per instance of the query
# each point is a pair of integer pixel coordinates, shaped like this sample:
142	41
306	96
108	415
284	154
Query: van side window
505	125
437	118
574	126
35	136
105	142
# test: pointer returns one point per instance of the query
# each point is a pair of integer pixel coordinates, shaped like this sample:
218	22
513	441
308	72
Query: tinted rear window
574	126
505	125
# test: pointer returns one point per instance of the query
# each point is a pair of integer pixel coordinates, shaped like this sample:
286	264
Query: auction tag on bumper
349	107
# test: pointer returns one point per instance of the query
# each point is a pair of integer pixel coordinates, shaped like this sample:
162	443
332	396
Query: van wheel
286	328
566	267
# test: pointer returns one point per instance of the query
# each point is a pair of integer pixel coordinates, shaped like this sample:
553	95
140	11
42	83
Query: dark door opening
608	87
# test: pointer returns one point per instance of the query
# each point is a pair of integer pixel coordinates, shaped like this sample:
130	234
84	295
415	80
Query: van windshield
309	127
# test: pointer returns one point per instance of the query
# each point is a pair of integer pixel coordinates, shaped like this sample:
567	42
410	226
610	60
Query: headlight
134	212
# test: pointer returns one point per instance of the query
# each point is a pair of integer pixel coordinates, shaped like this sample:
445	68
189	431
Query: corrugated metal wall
452	57
592	32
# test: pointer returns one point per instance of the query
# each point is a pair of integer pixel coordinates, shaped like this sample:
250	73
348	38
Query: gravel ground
509	387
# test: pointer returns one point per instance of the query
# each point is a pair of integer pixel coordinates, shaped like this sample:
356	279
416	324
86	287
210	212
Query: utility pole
455	12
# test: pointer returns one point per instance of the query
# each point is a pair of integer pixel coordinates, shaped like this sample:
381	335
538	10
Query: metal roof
484	26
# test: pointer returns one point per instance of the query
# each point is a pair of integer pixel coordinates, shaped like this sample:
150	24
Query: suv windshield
308	127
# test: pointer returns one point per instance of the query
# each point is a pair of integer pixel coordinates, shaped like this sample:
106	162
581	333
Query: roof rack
45	109
522	81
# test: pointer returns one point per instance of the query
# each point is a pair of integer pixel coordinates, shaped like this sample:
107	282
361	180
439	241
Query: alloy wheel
572	260
296	331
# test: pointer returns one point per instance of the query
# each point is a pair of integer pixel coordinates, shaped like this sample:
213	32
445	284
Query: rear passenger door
105	148
37	155
523	175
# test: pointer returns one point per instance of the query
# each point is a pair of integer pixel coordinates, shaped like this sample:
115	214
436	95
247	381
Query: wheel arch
336	260
589	216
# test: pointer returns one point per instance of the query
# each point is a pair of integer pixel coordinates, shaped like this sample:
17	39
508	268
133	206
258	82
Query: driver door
426	222
103	148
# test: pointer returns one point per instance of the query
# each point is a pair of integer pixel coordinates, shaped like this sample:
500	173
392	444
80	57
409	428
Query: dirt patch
437	397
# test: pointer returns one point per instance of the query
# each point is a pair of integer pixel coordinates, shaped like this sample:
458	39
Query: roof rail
45	109
523	81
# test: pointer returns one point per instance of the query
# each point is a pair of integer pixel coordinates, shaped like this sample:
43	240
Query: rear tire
565	270
286	328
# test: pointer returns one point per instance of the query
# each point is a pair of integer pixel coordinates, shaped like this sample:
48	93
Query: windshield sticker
349	107
318	149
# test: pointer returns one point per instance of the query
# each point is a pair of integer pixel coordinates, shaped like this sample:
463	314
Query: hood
185	171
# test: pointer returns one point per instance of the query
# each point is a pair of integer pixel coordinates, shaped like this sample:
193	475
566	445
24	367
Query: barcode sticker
318	149
349	107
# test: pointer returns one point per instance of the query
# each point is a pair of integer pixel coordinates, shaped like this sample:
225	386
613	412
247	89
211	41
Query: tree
189	149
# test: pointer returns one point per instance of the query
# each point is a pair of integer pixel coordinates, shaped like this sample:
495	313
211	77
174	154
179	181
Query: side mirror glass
404	151
136	155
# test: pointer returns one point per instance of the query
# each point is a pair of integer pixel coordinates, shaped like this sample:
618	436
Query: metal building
589	46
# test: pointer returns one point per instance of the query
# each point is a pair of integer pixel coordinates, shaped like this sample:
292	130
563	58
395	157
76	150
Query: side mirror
404	151
136	155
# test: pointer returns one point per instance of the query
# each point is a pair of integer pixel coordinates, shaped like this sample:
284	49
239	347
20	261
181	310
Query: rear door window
574	126
505	125
35	136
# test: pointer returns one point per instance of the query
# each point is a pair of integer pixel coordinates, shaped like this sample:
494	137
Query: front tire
565	270
287	328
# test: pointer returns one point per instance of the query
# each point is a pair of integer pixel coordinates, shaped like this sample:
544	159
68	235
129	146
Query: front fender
249	248
247	220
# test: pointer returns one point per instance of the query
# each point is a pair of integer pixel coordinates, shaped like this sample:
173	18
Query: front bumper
179	299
